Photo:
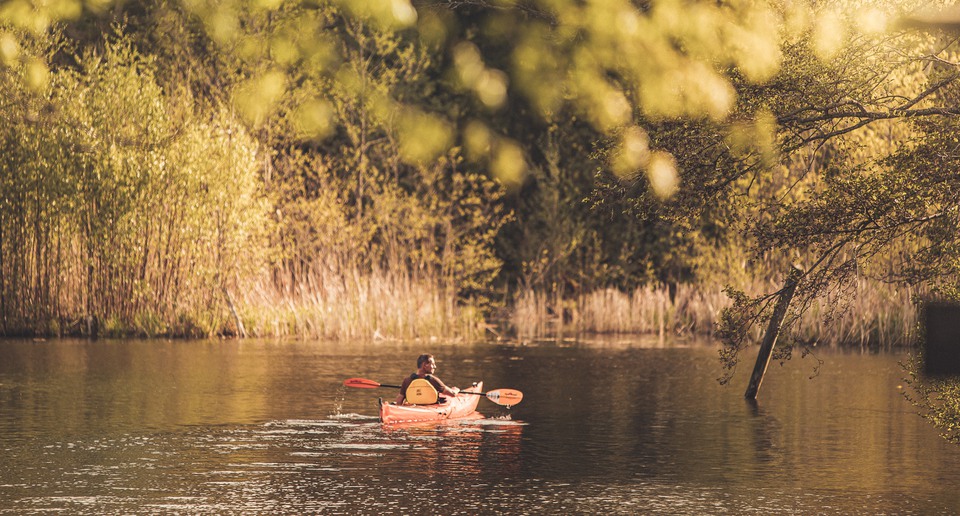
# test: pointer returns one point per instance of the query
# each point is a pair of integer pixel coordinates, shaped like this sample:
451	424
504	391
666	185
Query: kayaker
420	393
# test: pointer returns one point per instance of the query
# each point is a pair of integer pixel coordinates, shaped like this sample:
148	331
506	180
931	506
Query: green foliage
868	180
548	243
938	401
369	197
733	327
663	60
129	203
625	145
172	193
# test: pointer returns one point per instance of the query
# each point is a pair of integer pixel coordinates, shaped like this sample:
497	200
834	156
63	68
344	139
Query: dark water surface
263	427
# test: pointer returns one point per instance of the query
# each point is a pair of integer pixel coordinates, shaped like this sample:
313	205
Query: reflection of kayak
460	406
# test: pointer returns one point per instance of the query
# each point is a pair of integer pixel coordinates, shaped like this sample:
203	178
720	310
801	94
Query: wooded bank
315	171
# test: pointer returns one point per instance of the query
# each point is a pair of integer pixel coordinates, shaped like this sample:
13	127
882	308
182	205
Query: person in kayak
422	387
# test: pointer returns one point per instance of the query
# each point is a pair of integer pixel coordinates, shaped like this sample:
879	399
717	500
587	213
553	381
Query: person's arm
452	391
442	387
403	391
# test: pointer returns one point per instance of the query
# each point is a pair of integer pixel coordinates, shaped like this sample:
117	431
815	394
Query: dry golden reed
876	315
378	305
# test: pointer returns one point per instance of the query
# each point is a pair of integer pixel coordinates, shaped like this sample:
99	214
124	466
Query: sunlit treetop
613	61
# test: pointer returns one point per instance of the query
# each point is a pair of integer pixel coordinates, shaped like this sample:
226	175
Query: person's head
426	363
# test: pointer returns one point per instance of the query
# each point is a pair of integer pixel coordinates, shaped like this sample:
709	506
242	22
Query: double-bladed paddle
507	397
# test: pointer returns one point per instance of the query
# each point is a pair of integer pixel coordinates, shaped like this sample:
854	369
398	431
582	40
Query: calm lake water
614	427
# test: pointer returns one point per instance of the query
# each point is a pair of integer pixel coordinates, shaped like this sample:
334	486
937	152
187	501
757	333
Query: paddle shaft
389	386
498	396
399	387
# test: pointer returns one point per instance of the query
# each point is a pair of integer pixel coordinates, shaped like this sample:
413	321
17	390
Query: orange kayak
460	406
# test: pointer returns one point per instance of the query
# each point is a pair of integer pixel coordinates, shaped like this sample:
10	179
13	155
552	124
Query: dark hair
423	358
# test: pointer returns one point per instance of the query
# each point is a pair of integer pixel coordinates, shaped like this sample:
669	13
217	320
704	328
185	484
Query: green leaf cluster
119	202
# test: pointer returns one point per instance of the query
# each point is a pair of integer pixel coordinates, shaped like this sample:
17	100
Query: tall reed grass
355	304
876	315
646	310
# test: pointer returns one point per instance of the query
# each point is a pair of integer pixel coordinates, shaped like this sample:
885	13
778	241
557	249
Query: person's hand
456	390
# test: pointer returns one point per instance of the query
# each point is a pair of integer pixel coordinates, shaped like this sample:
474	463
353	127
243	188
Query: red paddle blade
508	397
361	383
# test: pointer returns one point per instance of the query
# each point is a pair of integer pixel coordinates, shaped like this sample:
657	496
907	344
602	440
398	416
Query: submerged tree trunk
773	331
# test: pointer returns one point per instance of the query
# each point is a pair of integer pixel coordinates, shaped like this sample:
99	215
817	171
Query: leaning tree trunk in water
773	331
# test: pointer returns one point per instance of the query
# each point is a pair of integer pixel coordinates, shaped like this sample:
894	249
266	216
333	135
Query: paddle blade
508	397
361	383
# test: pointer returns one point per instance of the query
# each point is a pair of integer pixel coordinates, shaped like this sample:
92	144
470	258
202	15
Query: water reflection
765	430
619	428
471	449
